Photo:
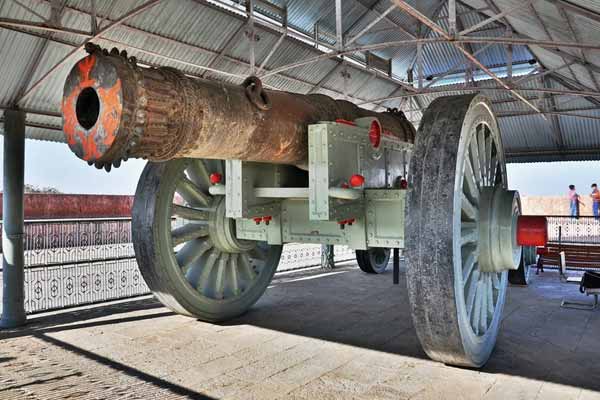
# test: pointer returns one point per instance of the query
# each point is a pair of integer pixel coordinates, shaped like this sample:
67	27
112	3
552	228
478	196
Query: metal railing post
13	264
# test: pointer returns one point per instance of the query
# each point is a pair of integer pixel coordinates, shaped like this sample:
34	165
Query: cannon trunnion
237	171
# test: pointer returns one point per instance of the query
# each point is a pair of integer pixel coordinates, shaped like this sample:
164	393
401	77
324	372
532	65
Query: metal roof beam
576	37
495	17
226	46
379	17
370	25
40	26
576	9
446	90
154	54
38	125
416	14
333	54
572	85
125	17
560	114
528	41
548	34
554	121
30	10
33	111
552	153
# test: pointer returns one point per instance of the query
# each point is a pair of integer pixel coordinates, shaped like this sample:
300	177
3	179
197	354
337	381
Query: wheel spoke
192	251
472	292
189	213
469	235
198	173
258	254
476	315
474	157
188	232
490	292
483	296
469	183
246	268
220	279
469	208
489	141
468	266
493	169
233	264
482	161
191	193
203	282
495	281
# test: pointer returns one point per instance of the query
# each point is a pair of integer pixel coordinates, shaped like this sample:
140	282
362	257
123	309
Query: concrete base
337	334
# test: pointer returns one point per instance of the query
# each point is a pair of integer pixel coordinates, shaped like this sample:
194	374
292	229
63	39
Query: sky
53	164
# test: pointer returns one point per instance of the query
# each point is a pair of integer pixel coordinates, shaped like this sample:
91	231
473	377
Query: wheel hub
500	210
222	231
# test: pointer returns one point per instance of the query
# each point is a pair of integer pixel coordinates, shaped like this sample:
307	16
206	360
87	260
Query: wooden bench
576	256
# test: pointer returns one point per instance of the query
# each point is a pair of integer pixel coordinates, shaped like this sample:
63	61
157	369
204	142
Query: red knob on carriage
215	178
357	180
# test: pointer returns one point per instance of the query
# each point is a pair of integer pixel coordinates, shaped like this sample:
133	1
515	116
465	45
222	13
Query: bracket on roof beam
379	63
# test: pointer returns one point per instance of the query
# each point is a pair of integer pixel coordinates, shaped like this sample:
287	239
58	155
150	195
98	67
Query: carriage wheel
521	276
460	231
374	260
186	248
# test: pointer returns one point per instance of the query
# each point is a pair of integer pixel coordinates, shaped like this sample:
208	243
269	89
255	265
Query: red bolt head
215	178
350	221
267	219
257	220
403	184
357	180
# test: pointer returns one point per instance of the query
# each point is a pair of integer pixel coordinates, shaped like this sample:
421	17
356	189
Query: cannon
236	171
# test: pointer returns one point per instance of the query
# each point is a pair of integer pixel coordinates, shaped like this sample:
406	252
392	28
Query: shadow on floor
125	369
69	320
538	340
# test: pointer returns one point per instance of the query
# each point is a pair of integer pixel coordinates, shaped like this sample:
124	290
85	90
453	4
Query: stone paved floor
314	335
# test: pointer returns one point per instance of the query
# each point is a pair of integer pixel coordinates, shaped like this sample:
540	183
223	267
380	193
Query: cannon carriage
237	171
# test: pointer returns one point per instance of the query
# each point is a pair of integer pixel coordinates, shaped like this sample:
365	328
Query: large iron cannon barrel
114	109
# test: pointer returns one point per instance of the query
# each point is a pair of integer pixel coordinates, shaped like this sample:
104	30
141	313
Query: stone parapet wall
553	205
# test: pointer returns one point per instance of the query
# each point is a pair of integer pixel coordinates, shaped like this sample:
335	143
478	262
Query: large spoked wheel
460	232
186	248
374	260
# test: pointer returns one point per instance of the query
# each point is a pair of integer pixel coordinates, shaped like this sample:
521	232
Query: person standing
574	201
595	200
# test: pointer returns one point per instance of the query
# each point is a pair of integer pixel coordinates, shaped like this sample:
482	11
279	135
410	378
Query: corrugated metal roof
188	34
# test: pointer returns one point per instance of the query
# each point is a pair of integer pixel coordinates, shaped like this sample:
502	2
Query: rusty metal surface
56	206
160	114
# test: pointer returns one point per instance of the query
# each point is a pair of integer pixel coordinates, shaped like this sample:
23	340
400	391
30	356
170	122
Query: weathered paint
55	206
161	114
91	144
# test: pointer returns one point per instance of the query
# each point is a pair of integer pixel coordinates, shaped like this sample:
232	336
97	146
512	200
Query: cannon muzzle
114	109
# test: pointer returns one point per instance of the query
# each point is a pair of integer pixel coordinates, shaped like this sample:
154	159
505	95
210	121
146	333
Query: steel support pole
13	263
396	275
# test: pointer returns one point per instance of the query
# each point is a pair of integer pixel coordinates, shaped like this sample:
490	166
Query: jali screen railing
72	262
571	230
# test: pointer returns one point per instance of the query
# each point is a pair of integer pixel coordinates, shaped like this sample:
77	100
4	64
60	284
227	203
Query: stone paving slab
314	335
